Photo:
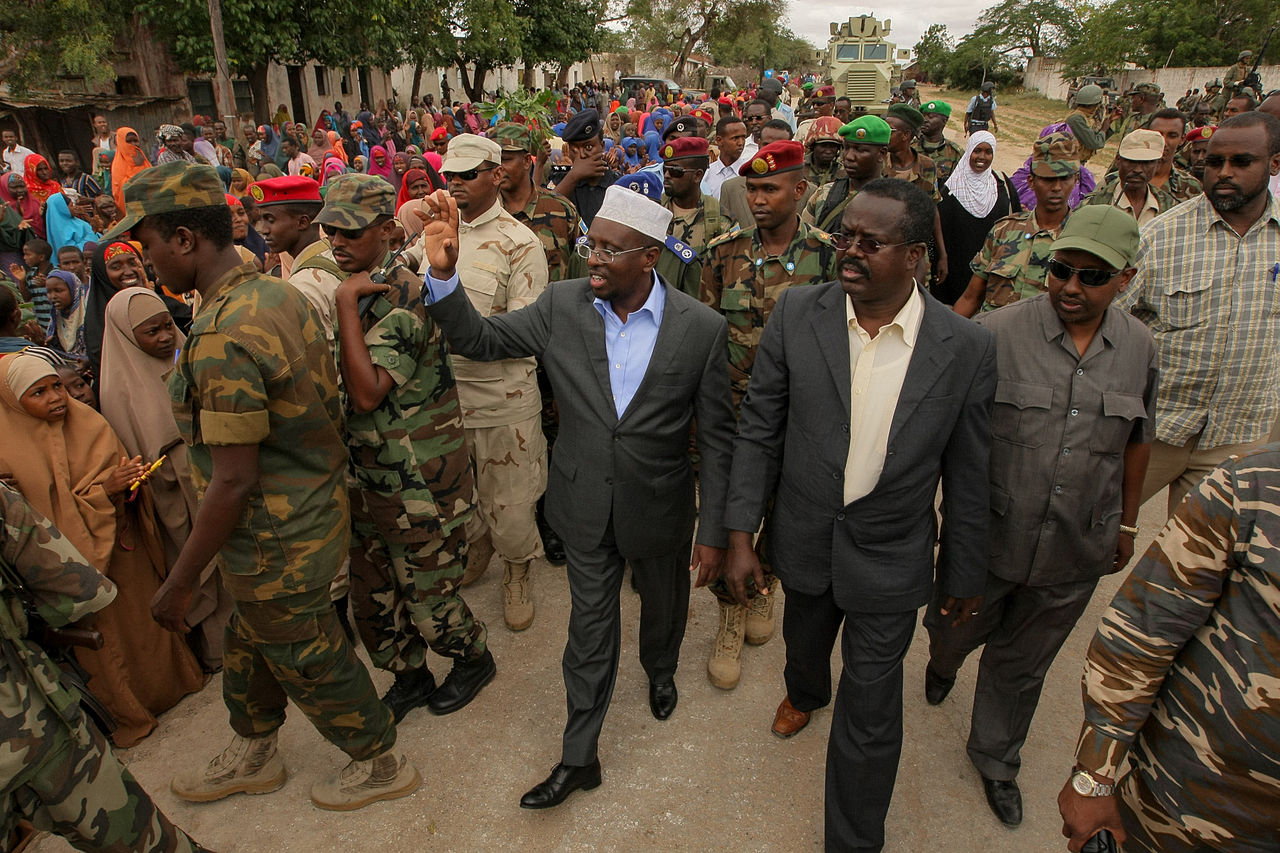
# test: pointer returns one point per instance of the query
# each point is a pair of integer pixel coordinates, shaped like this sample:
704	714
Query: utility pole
223	91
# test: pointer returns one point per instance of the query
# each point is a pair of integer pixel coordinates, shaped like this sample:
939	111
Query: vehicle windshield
847	52
875	52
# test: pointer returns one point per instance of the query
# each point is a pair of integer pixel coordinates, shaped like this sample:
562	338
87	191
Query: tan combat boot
479	553
517	596
724	668
386	777
248	765
760	622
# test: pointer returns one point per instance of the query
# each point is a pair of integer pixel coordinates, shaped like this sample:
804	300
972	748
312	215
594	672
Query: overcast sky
811	20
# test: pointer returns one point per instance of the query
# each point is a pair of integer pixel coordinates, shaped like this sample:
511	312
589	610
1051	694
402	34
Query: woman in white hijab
974	198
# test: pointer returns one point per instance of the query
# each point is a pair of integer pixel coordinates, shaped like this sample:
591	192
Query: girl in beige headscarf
139	344
70	466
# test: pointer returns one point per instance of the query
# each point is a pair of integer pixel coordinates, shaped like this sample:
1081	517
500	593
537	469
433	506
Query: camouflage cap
824	129
357	201
163	189
512	136
1055	156
1147	89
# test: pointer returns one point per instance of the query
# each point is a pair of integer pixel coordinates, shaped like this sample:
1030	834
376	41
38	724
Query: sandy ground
711	778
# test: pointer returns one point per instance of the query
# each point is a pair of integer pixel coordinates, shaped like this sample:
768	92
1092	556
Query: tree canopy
39	40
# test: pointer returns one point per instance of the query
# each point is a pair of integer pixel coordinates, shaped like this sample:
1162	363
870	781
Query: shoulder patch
729	236
681	250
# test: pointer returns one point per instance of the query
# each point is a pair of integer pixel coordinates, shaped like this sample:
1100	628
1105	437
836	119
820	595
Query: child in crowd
37	258
71	259
65	331
74	379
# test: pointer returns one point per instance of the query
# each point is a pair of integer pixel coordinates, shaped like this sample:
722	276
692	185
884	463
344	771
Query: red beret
289	189
776	157
705	116
684	146
438	134
1199	133
726	100
827	91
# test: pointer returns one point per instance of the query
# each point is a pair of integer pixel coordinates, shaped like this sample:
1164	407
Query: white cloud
812	20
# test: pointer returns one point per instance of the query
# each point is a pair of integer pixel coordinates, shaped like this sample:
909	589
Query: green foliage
537	111
977	58
752	34
933	52
1035	27
664	27
561	32
42	39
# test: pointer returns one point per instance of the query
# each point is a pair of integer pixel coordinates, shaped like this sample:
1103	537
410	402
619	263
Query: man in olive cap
548	214
258	406
1130	189
1145	100
413	491
866	146
932	141
503	267
1071	445
1010	266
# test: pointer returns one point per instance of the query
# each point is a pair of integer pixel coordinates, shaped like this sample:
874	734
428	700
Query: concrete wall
1045	76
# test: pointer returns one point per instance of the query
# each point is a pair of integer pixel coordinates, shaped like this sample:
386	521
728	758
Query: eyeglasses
1089	278
347	233
469	175
1238	161
674	171
586	250
865	245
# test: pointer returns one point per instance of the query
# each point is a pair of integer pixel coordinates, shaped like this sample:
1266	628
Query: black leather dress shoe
1005	800
553	548
410	690
936	687
662	698
462	684
563	781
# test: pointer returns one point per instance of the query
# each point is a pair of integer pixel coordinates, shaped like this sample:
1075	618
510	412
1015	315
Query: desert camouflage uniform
1013	259
55	769
502	267
696	229
412	494
257	370
554	219
1180	675
945	155
923	173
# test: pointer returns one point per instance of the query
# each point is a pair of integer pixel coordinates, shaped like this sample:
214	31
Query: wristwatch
1132	531
1086	786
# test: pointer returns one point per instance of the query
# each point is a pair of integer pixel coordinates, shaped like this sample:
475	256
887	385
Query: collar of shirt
907	320
489	215
718	169
1034	226
1271	212
1122	201
1054	329
787	256
654	305
229	279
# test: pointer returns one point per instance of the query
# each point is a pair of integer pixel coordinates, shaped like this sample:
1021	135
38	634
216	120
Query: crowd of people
273	396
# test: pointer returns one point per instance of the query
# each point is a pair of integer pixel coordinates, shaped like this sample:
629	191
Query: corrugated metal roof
73	100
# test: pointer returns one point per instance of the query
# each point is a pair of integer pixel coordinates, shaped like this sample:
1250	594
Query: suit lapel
831	331
675	323
593	338
928	359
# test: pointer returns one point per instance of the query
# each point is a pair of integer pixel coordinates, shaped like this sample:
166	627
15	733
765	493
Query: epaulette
732	234
681	250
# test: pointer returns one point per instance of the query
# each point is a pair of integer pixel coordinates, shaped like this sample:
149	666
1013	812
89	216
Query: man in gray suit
866	392
633	364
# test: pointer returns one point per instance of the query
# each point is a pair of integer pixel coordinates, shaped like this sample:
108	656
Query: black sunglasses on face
1089	278
674	171
347	233
469	175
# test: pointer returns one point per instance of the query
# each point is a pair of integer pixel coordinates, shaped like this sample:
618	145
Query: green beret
942	108
910	115
867	130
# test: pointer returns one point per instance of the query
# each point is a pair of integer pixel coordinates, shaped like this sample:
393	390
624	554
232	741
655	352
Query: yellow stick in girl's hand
155	466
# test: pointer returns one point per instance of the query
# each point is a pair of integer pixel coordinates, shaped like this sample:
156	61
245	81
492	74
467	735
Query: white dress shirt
877	368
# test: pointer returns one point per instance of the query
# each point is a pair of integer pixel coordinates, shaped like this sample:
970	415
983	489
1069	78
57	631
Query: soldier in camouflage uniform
746	272
1216	97
695	217
1146	101
866	141
57	769
1012	262
412	490
1170	176
933	143
1233	79
256	400
822	163
1179	680
503	267
1130	189
903	162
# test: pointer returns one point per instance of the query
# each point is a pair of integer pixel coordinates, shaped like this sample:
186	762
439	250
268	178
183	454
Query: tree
1035	27
561	32
933	52
467	34
978	58
752	35
42	39
336	33
659	27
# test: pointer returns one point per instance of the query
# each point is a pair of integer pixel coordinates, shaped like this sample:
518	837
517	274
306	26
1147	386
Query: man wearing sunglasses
695	217
633	362
1206	287
865	394
1071	433
503	267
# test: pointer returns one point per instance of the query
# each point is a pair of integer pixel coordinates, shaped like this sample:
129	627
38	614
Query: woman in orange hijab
69	465
129	161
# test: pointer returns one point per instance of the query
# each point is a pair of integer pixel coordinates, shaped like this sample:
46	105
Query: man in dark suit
865	393
632	363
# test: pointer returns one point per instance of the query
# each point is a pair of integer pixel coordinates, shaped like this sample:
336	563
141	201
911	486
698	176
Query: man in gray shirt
1071	430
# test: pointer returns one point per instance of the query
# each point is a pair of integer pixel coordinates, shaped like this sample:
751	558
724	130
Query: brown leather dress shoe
788	720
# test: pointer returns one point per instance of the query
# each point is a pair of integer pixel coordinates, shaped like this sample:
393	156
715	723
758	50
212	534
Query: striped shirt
1181	675
1212	303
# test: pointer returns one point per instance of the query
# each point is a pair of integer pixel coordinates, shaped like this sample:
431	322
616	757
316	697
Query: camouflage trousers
1150	828
295	648
81	791
511	474
405	594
